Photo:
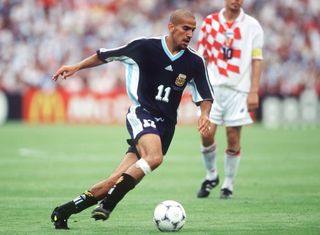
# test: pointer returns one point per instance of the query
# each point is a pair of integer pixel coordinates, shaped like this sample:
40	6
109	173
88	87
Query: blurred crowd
37	36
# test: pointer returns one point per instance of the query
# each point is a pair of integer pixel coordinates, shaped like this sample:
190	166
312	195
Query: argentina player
157	72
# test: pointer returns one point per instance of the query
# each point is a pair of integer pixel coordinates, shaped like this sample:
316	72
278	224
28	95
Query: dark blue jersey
155	78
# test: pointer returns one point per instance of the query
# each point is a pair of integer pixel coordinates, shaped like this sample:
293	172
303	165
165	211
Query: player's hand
204	125
64	72
253	101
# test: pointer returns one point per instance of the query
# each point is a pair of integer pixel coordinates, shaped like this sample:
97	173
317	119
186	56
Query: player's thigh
146	132
149	146
156	130
140	122
216	113
167	130
236	110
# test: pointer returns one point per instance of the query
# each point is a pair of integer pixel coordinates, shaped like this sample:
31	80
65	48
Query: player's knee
233	143
208	138
144	166
149	163
207	142
155	160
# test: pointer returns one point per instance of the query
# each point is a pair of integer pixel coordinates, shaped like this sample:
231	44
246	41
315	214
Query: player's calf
114	196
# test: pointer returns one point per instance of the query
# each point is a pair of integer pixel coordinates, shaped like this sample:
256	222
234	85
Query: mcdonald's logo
44	107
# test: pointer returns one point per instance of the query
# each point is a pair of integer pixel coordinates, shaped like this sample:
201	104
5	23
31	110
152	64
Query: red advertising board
44	106
87	107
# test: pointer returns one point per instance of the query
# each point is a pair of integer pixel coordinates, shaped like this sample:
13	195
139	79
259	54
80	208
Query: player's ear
170	27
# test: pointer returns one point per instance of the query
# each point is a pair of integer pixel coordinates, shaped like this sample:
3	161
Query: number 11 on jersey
163	97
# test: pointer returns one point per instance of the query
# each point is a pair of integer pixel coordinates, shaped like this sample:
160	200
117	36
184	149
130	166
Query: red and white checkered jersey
230	49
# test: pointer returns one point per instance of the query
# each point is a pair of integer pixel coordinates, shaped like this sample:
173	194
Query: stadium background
37	36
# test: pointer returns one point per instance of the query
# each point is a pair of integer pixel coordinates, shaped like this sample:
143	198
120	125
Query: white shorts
229	107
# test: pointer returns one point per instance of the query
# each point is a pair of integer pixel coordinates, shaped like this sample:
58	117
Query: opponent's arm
253	96
68	70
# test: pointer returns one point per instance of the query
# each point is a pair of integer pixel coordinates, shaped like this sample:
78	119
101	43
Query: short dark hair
177	15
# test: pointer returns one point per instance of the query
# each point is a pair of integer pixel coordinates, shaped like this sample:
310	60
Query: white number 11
160	96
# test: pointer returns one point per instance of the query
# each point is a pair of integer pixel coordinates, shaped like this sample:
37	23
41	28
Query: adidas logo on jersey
169	68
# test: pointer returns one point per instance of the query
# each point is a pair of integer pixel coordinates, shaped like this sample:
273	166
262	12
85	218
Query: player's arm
204	121
253	96
202	95
256	67
102	56
205	103
68	70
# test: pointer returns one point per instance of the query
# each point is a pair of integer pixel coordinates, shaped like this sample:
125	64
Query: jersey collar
223	20
167	51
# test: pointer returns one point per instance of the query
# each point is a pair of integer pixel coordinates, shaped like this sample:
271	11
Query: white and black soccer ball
169	216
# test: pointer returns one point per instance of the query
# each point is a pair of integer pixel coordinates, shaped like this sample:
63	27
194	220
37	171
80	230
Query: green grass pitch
277	189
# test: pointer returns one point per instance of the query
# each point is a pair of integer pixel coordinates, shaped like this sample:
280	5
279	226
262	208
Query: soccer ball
169	216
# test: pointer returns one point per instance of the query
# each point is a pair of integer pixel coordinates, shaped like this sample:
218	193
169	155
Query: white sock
209	159
231	165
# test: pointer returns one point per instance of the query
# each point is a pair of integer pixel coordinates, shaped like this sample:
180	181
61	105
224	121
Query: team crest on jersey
181	79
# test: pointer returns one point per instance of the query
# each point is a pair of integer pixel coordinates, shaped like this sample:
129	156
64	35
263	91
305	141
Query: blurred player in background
158	70
231	43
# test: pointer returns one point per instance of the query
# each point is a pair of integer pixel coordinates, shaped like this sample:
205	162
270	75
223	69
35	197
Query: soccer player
158	70
231	43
